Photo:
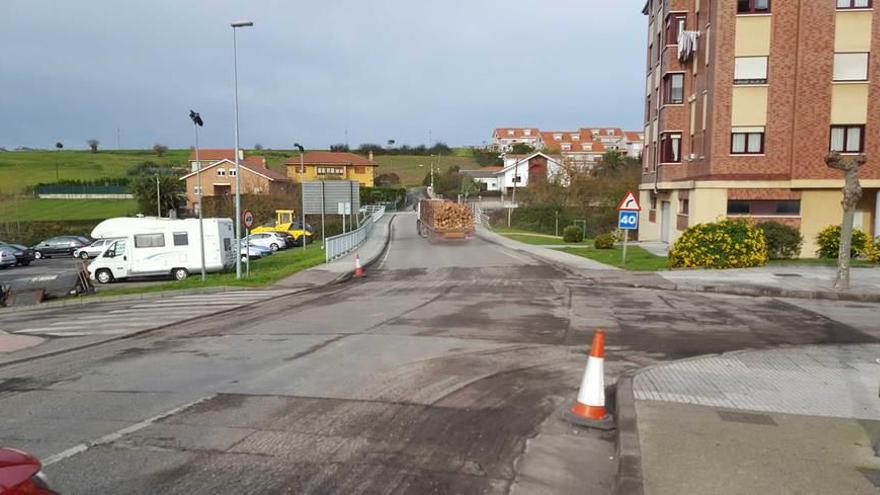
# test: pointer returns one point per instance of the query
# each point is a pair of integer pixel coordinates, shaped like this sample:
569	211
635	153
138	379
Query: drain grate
787	275
747	418
873	475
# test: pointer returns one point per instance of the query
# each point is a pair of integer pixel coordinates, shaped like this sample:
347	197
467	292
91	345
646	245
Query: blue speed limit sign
628	220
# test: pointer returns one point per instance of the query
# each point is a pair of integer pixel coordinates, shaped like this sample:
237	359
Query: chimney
371	155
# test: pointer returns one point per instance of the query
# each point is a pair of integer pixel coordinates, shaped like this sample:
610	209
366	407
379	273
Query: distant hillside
21	169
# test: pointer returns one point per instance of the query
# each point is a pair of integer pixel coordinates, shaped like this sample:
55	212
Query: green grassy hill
20	169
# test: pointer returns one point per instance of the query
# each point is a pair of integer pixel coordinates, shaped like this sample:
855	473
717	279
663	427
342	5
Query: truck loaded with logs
444	220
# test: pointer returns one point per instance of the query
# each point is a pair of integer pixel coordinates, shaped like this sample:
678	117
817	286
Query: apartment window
853	4
750	70
233	172
675	24
785	207
684	206
850	66
752	6
848	138
653	201
149	240
566	147
674	88
575	137
181	239
197	190
747	141
221	171
670	148
510	132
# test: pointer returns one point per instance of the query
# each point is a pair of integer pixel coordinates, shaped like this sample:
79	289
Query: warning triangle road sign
629	203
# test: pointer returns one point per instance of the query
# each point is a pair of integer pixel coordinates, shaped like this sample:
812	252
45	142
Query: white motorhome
150	246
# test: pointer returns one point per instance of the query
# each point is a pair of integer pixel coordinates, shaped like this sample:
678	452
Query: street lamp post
235	26
198	122
302	177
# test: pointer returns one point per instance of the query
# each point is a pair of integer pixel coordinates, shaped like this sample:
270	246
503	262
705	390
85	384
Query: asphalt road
442	372
55	265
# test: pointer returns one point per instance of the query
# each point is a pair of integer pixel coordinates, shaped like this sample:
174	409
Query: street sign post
248	219
627	218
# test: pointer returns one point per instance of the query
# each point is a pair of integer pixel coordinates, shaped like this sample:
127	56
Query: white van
150	246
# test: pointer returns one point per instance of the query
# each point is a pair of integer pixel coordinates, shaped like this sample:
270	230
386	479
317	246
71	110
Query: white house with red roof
503	138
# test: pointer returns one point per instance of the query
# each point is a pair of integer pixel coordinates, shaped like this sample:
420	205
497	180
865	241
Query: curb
345	277
628	480
735	290
338	280
83	300
752	291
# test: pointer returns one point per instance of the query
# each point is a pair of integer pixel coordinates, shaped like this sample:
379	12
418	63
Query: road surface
442	372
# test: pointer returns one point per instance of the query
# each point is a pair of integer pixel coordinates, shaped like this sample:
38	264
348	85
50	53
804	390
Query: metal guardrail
342	244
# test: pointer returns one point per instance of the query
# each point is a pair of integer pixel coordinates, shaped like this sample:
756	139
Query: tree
522	149
59	145
160	149
391	143
93	145
258	147
852	192
339	147
387	179
171	192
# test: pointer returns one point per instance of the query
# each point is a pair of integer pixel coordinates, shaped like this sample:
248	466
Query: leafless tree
160	149
852	192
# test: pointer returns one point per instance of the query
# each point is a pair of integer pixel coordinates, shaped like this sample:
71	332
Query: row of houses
584	145
214	173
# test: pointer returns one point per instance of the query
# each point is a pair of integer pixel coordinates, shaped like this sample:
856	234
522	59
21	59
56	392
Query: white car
92	250
270	240
7	258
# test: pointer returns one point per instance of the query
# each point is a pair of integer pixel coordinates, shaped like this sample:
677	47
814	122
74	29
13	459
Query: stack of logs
450	216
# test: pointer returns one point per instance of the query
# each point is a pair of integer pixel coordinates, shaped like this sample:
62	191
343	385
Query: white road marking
116	435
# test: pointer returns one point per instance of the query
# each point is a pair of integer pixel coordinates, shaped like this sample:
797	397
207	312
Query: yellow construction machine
287	221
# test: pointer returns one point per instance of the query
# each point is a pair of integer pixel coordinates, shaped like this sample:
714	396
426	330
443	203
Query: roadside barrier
342	244
589	409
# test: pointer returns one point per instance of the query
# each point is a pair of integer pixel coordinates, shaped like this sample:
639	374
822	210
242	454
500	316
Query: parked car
253	251
21	473
7	259
288	238
63	245
23	254
271	240
93	250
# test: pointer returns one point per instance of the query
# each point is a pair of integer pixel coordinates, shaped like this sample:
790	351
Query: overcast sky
382	69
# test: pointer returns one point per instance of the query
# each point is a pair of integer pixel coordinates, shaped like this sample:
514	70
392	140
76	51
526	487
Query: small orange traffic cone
358	269
589	409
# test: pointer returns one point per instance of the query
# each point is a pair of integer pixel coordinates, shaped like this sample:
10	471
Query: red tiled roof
603	131
255	164
518	132
633	136
213	154
331	158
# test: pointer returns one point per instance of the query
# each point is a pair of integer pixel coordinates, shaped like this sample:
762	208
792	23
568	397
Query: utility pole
158	198
513	197
302	177
198	122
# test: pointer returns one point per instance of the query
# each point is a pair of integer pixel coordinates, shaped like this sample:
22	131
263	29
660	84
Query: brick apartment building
744	99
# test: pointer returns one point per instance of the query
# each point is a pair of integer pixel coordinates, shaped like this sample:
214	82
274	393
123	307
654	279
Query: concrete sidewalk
795	420
343	268
788	281
551	256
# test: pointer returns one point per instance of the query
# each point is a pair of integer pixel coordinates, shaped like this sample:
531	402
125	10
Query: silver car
93	250
7	258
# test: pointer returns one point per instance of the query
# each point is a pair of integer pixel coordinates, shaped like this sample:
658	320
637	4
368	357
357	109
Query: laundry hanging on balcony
687	45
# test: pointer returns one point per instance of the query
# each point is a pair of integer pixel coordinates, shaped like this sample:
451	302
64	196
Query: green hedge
828	241
30	233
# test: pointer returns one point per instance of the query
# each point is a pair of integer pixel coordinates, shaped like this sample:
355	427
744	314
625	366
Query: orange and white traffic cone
589	409
358	269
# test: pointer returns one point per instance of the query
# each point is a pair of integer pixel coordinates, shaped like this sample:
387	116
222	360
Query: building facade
744	99
218	179
584	145
503	138
330	165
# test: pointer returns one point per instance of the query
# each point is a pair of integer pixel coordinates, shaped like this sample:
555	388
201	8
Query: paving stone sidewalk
793	420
